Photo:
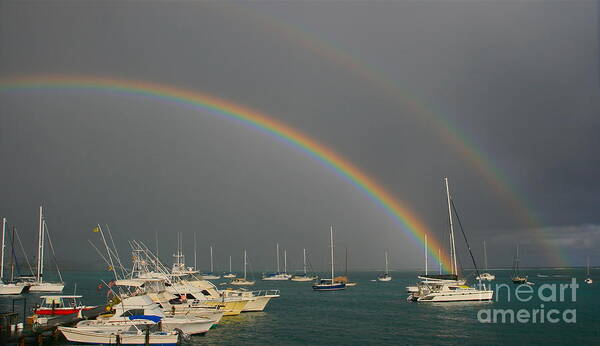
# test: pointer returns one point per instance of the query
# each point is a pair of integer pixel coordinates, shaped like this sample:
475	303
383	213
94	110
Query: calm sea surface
378	313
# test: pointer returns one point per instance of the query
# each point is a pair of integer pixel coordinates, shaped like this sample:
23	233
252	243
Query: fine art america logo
546	293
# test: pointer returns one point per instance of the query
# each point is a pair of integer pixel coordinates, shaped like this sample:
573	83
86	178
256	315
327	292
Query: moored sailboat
278	276
588	279
485	276
517	277
329	284
243	281
7	288
39	285
386	276
303	277
229	275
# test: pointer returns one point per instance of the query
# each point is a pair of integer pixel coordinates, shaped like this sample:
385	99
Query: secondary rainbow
399	211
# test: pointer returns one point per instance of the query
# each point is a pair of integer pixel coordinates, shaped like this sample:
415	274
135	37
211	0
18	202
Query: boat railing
262	293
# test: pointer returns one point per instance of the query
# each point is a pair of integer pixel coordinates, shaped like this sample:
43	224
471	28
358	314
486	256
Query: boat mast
285	261
211	260
332	274
304	253
386	264
440	259
230	264
277	258
12	256
452	246
2	261
425	254
40	258
485	256
588	259
195	251
346	272
245	263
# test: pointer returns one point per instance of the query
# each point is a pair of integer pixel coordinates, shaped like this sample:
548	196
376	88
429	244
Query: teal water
378	313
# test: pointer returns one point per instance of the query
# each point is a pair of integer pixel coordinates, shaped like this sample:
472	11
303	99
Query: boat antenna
465	237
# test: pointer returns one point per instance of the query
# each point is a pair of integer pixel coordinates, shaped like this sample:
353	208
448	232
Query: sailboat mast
12	256
440	260
386	263
211	260
332	274
195	251
2	261
452	246
346	272
425	254
285	261
278	258
230	264
304	255
245	263
485	256
40	258
588	259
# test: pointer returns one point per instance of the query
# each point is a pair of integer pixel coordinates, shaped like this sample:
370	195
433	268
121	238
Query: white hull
457	296
303	278
257	304
385	279
126	338
210	277
589	281
11	289
47	287
351	284
229	276
242	283
188	326
278	277
486	277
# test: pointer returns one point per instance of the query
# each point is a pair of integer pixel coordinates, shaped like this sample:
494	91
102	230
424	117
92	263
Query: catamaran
386	276
517	277
279	276
39	285
303	277
330	284
588	280
448	288
243	281
485	276
7	288
229	275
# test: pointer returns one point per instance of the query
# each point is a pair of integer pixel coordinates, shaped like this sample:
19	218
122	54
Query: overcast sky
519	79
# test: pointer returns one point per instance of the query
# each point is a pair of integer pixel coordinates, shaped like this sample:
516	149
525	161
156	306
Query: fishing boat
448	288
211	275
7	288
243	281
485	276
129	337
329	284
303	277
39	285
60	305
588	280
517	277
278	276
386	276
258	300
229	275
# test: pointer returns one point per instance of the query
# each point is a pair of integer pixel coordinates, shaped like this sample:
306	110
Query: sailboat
243	281
179	267
486	276
329	284
39	285
211	275
448	288
516	277
229	275
7	288
386	276
279	276
303	277
588	280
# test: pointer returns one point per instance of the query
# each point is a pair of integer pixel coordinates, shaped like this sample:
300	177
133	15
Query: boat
141	311
179	267
329	284
129	337
229	275
258	300
59	305
278	276
588	280
7	288
449	288
303	277
485	276
517	277
211	275
39	285
243	281
386	276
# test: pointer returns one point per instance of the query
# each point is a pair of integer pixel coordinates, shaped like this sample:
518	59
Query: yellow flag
96	229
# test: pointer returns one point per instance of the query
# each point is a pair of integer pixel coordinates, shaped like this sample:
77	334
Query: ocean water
378	313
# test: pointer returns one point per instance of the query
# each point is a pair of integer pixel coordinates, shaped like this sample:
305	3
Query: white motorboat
278	276
303	277
485	276
448	288
386	276
39	285
131	337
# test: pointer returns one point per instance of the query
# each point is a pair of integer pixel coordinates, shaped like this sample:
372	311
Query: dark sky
519	79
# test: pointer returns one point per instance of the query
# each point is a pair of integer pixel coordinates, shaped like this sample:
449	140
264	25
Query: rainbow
402	215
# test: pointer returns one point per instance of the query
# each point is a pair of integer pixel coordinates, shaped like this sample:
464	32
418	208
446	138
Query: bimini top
59	297
452	277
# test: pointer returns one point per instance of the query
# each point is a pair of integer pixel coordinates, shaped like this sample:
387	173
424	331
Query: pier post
147	341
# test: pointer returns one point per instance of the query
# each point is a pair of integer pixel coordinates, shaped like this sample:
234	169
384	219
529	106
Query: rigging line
23	250
464	236
114	247
99	253
52	248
